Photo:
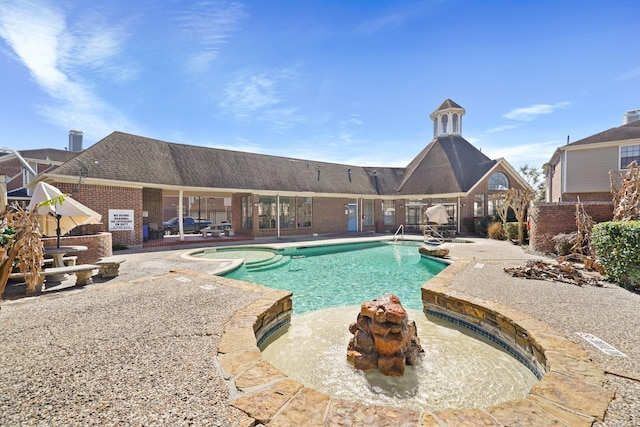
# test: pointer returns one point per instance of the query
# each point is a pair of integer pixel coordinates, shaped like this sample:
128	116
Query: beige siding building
581	169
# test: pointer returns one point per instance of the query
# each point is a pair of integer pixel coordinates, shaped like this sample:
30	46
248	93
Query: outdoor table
58	253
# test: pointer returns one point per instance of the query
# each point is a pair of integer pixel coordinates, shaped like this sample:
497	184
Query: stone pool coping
570	391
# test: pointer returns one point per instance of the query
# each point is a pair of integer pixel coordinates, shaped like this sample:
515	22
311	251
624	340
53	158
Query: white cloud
532	112
56	57
263	98
502	128
356	120
629	75
209	25
534	154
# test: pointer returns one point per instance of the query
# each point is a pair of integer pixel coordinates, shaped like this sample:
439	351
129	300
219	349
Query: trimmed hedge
617	245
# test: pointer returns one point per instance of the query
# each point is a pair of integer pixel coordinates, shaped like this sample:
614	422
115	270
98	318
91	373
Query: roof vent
630	116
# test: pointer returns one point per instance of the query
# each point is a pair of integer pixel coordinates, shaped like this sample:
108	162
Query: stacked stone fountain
383	337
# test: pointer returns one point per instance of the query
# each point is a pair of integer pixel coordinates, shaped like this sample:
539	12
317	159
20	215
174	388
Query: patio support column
278	214
180	224
458	214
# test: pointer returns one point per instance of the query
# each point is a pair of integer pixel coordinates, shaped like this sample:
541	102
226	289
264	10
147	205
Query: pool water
339	275
457	370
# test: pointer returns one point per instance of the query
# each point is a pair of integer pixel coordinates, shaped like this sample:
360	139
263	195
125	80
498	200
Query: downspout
180	224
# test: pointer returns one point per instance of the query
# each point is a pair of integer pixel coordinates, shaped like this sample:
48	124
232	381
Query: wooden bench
109	266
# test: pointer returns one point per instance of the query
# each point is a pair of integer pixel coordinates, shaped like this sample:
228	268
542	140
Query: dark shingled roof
449	164
138	159
446	105
48	153
620	133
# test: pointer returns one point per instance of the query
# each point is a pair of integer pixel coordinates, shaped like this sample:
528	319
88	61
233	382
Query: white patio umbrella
437	214
59	218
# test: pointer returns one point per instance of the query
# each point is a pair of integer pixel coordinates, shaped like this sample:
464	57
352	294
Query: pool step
274	262
265	261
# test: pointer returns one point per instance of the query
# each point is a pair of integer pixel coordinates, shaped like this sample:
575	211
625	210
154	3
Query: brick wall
587	197
549	219
152	203
101	198
98	246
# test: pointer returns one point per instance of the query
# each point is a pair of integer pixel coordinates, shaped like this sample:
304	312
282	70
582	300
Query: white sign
121	219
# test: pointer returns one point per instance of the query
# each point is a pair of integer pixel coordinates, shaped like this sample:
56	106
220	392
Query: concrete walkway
140	348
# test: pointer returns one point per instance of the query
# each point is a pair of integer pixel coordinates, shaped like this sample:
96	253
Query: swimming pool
328	284
337	275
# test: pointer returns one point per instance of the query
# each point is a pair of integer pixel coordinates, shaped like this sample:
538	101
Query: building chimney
75	140
630	116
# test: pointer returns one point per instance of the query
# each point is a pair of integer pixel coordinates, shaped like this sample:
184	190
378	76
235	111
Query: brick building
268	196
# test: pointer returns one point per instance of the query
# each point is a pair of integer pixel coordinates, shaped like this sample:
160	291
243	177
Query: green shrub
118	247
6	235
496	231
563	242
511	230
617	246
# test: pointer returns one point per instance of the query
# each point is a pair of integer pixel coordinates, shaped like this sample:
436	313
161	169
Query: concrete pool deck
147	347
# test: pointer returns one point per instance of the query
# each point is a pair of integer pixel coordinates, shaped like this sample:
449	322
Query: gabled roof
52	154
136	159
449	164
620	133
447	104
41	154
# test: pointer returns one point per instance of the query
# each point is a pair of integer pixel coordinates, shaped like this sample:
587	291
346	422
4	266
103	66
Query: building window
498	181
435	127
304	208
494	203
389	212
628	154
267	211
246	213
478	205
454	123
445	123
367	207
287	215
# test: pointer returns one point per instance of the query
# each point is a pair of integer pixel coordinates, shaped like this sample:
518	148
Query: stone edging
570	391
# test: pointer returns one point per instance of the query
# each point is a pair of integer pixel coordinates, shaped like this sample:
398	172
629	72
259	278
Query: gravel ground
141	351
118	354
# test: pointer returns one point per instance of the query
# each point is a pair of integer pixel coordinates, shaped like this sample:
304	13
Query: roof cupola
447	119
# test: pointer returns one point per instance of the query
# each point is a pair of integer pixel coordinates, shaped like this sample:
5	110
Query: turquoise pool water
347	274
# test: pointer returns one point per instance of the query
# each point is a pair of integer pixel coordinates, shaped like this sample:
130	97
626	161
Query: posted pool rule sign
120	219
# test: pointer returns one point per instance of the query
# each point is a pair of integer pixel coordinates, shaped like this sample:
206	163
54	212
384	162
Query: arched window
498	181
445	122
454	123
435	127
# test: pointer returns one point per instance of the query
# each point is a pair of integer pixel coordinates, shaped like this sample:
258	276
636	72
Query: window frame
635	147
493	186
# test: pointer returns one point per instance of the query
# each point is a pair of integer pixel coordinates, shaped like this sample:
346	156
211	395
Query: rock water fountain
383	337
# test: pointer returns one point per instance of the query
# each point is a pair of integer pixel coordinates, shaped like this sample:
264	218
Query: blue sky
342	81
